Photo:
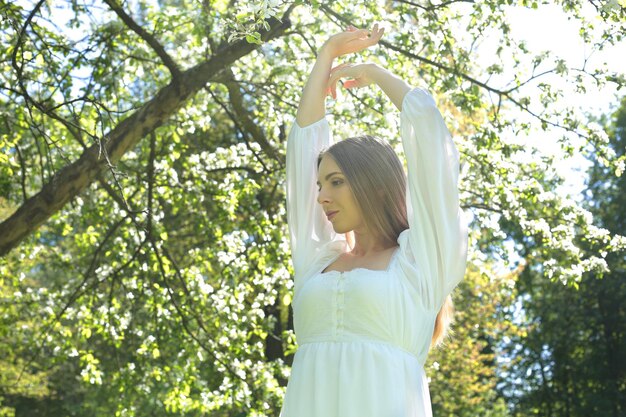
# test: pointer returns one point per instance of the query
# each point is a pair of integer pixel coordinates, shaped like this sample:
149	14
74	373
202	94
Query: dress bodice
363	304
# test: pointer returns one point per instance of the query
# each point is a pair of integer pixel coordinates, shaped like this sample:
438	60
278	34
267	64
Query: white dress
363	335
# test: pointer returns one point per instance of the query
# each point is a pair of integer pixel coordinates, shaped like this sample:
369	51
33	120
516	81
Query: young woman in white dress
376	252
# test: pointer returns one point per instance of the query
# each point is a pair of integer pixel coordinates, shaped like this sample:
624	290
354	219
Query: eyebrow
329	175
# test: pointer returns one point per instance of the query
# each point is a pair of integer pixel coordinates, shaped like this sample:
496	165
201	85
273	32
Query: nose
323	197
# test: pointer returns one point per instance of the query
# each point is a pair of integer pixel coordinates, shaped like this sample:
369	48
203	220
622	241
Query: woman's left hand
358	74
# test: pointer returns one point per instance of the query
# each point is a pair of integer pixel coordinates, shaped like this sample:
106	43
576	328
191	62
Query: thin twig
150	40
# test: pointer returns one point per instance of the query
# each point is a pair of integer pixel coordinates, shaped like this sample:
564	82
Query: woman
374	259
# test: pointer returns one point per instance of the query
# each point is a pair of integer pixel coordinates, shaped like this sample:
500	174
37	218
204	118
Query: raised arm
393	86
312	102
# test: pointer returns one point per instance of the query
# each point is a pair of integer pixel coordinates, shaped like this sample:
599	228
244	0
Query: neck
364	244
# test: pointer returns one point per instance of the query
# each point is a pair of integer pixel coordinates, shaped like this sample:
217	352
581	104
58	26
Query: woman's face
336	196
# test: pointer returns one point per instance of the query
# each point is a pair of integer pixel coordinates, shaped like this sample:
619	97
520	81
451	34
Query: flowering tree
142	219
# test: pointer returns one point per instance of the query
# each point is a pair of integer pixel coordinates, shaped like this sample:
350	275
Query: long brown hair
378	182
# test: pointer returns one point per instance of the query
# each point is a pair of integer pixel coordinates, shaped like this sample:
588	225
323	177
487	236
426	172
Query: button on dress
363	335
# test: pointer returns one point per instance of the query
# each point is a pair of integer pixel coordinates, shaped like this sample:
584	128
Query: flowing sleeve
436	241
309	229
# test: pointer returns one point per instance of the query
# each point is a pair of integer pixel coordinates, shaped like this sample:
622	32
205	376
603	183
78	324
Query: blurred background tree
571	361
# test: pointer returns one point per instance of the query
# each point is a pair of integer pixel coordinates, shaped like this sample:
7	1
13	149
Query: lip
331	214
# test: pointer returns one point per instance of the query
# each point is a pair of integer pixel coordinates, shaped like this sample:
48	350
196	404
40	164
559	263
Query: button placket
340	301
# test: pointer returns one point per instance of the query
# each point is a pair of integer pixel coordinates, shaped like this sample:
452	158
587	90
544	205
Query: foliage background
145	263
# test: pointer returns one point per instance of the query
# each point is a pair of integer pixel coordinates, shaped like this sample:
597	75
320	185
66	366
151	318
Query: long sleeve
309	230
436	241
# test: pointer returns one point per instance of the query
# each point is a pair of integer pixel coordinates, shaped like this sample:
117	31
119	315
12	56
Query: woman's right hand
352	40
359	75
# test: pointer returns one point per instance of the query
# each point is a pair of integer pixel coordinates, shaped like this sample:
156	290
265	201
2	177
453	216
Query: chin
338	229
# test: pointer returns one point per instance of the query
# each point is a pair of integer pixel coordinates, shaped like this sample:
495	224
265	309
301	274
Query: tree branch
150	40
501	93
432	6
75	177
236	100
240	129
23	169
18	42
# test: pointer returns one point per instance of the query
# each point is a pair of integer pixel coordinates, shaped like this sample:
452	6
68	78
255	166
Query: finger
334	78
360	33
360	44
369	40
377	32
350	84
338	67
332	87
339	73
329	85
375	38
